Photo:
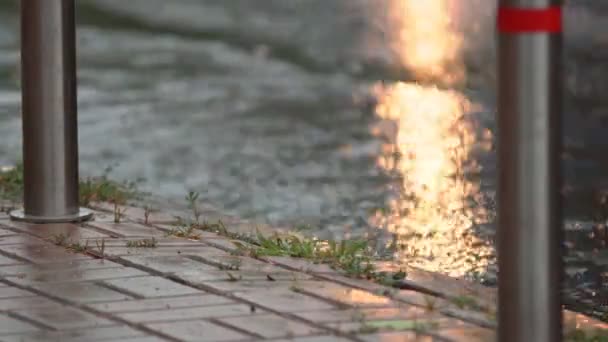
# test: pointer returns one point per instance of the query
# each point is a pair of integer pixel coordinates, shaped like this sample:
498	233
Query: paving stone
20	239
198	331
9	325
112	333
177	314
246	278
103	216
127	229
322	338
76	275
13	292
6	232
271	326
397	337
244	264
421	299
42	253
453	287
161	303
164	216
345	295
118	251
481	318
160	242
471	334
71	232
223	283
203	234
576	320
139	339
150	287
4	260
222	243
350	315
284	300
433	325
63	317
352	282
302	265
82	292
169	264
26	303
81	264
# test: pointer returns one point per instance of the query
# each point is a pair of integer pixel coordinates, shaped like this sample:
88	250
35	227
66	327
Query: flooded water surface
354	116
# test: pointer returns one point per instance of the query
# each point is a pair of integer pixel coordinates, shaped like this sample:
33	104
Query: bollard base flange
83	215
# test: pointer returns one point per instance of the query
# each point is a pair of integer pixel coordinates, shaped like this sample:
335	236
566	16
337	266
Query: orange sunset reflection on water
432	143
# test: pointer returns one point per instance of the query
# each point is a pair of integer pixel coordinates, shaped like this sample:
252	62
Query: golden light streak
421	34
431	149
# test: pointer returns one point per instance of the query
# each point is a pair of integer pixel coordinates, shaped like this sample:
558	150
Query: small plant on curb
101	247
143	243
148	210
192	199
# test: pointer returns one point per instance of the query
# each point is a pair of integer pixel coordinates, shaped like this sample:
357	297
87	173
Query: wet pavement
270	110
178	291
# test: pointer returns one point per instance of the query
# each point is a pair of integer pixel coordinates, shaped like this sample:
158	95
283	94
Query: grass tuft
143	243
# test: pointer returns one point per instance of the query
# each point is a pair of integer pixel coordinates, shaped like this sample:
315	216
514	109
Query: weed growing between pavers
148	209
187	231
354	257
64	241
143	243
400	325
76	247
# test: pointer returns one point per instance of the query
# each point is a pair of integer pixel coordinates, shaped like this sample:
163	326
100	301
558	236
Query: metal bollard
529	116
49	109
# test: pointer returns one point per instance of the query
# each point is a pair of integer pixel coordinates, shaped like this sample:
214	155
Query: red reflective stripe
529	20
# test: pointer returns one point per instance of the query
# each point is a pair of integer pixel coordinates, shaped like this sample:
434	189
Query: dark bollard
49	109
530	222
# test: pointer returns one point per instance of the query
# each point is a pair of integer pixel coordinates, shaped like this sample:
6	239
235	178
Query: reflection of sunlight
421	36
431	149
359	297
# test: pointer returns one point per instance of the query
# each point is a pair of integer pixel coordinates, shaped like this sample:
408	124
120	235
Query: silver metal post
49	109
529	116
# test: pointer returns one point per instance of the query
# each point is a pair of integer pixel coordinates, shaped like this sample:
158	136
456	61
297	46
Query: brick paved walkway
183	290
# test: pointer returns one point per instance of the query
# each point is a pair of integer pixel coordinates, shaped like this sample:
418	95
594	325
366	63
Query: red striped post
529	223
